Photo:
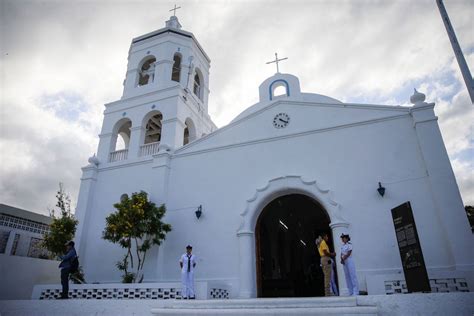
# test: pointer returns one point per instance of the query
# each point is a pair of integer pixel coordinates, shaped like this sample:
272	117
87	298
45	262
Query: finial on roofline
417	97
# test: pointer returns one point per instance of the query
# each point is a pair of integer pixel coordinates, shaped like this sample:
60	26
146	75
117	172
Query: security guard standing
349	266
187	264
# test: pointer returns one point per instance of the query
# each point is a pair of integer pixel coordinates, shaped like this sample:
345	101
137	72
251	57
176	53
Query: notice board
409	246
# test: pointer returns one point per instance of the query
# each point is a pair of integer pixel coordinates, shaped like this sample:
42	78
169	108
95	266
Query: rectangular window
15	244
3	240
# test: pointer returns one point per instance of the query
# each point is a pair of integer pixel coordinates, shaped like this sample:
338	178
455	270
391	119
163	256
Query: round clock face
281	120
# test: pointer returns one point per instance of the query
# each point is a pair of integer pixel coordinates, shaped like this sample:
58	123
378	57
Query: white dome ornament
93	160
417	98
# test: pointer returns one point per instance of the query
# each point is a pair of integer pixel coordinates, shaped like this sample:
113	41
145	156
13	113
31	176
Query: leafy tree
62	229
136	226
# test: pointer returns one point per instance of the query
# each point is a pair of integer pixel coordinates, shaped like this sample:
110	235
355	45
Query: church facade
288	168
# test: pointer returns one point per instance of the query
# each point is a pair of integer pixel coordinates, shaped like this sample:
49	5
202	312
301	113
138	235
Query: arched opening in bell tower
146	73
153	129
120	140
288	262
197	86
176	72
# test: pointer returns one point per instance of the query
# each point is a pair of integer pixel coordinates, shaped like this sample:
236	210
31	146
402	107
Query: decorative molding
415	123
103	135
141	96
282	185
137	128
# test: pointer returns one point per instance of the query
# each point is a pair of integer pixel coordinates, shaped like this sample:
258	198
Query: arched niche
189	131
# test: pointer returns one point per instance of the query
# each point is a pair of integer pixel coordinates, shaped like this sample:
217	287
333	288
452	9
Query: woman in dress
349	266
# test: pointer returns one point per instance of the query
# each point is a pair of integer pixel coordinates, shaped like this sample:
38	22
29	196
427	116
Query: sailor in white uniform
187	264
349	266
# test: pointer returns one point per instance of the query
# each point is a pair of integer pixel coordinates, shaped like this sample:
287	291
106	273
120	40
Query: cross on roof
276	61
174	9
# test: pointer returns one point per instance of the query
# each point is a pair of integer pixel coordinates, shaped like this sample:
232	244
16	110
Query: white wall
18	275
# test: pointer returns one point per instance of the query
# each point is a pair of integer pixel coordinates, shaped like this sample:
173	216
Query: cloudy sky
61	61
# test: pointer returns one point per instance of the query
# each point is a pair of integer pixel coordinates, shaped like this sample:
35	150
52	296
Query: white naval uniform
349	270
187	275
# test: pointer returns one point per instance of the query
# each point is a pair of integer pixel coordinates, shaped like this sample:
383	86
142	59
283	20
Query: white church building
286	169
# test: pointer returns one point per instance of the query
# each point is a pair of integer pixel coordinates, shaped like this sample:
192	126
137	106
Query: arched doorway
286	254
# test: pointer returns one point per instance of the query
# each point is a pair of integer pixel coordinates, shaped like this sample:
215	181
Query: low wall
18	275
440	282
119	291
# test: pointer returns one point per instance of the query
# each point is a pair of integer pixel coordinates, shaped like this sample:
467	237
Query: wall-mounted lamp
199	212
381	189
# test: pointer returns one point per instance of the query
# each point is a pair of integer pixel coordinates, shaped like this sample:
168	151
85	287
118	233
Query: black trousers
65	281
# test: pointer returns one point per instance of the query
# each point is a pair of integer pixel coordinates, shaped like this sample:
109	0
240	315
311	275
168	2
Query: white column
172	133
183	74
247	264
84	205
130	82
445	191
337	230
159	195
163	74
135	141
105	146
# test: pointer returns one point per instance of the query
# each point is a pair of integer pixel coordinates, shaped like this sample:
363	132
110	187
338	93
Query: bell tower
164	104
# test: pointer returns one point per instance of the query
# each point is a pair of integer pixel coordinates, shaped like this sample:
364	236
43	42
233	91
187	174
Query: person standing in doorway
187	264
349	266
65	265
326	261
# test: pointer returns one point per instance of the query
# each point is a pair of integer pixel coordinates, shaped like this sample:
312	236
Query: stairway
340	306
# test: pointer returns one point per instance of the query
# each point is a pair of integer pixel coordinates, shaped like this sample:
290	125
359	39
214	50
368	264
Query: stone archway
273	189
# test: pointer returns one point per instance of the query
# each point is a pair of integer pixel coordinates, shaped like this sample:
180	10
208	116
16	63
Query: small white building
286	169
21	232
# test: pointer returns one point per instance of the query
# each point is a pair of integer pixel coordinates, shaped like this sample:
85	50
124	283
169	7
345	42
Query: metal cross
276	61
174	9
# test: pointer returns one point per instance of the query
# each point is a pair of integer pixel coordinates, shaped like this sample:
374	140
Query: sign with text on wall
409	246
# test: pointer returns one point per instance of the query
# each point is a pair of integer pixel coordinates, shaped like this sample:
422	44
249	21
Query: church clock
281	120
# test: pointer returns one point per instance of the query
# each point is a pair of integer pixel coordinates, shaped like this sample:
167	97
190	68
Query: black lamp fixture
381	189
199	212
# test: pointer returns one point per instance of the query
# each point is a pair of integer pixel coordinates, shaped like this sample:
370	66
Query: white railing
149	149
118	155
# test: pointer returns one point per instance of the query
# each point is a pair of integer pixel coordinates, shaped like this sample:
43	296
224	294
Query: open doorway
288	263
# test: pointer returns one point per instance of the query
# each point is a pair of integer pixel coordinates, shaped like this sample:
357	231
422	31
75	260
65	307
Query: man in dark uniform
65	266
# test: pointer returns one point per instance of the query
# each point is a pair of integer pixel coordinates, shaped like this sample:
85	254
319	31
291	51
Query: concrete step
290	302
303	311
266	306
